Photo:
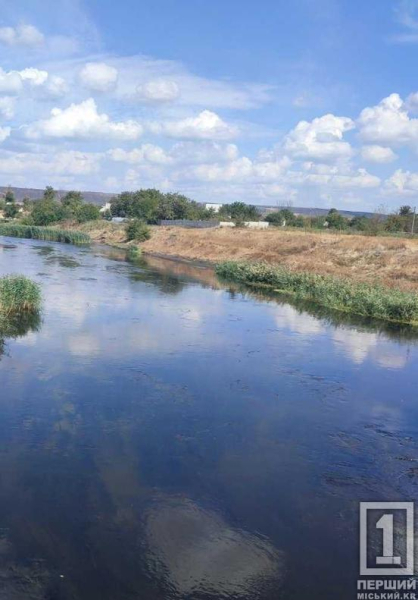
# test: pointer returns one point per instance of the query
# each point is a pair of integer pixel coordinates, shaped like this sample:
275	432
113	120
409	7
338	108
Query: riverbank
386	261
330	292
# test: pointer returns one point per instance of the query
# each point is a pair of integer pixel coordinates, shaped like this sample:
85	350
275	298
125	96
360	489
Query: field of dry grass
390	261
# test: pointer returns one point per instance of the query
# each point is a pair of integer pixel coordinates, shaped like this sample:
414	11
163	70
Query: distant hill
314	212
99	198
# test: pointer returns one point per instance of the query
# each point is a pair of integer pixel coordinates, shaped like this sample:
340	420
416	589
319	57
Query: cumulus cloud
4	133
70	162
22	35
320	139
145	153
34	76
378	154
179	153
10	83
7	107
158	90
99	77
13	83
207	125
402	183
389	123
241	169
83	121
336	177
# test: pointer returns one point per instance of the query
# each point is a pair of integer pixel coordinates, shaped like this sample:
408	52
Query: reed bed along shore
19	295
49	234
331	292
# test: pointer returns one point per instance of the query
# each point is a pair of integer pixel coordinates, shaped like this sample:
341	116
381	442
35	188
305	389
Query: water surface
164	437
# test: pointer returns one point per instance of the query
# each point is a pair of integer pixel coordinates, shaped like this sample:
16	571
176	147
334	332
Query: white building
105	207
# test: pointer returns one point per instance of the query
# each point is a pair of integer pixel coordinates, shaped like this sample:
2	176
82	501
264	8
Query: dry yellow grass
389	261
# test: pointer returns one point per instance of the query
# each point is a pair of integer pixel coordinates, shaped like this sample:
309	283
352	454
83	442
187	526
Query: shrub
87	212
138	230
344	295
19	295
11	210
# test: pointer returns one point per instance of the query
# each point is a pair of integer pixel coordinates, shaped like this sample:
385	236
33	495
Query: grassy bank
48	234
18	295
338	294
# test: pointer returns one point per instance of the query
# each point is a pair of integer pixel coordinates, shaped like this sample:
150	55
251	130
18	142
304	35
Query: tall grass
49	234
19	295
339	294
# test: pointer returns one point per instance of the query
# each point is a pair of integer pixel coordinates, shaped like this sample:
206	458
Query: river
166	436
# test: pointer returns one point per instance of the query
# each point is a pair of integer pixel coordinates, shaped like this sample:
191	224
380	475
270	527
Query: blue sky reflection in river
152	399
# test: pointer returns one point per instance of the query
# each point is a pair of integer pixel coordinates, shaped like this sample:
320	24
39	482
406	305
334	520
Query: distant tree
49	193
47	211
72	201
395	223
9	197
88	212
281	217
151	205
11	210
360	223
27	203
239	211
405	211
2	204
335	220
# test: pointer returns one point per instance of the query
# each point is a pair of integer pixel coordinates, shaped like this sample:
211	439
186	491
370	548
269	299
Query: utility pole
413	220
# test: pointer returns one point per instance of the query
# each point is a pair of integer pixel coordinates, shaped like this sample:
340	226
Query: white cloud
320	139
22	35
145	153
378	154
10	83
99	77
389	123
82	121
180	153
158	90
207	125
70	162
7	107
13	82
4	133
336	177
402	183
34	76
241	169
203	151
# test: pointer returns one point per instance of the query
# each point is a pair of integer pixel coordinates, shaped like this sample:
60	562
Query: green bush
44	233
87	212
138	230
19	295
133	254
340	294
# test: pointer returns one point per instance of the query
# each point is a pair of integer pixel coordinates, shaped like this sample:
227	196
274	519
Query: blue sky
313	102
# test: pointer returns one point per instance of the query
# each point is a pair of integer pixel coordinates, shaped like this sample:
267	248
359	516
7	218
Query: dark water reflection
163	437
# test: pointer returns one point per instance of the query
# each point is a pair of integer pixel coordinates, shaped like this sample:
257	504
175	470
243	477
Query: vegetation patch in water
49	234
133	254
339	294
19	295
